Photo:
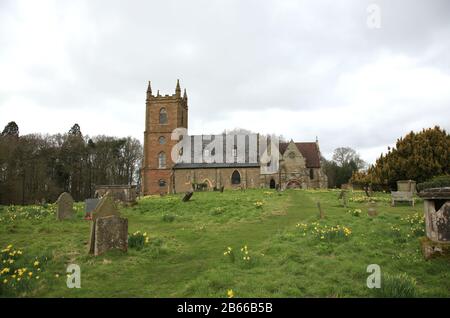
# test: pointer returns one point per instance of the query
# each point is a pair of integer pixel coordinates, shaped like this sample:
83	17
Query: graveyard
252	243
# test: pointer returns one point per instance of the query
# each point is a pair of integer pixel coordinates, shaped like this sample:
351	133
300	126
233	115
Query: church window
163	116
161	160
236	177
311	174
292	155
162	183
162	140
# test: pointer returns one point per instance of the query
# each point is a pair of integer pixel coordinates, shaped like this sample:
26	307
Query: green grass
184	256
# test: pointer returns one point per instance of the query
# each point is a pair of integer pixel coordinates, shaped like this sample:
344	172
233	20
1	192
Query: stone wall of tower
176	109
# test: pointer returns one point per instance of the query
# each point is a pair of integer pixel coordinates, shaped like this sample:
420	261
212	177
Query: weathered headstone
372	211
221	188
64	209
111	232
89	207
106	207
343	196
187	196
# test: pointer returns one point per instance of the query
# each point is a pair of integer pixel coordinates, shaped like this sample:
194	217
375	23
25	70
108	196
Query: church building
299	162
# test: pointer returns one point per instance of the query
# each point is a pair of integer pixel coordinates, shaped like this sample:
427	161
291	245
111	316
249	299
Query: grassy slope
190	262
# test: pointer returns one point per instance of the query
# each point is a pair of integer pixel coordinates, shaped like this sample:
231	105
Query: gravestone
372	211
105	208
111	232
221	189
89	207
187	196
64	209
344	197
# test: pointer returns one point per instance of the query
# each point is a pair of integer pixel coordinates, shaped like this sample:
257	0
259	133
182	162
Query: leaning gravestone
89	207
64	209
108	229
187	196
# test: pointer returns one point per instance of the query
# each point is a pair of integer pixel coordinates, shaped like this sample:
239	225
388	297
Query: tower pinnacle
178	89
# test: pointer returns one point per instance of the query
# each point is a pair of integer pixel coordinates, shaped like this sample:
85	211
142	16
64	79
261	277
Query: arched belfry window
236	177
311	174
162	116
161	160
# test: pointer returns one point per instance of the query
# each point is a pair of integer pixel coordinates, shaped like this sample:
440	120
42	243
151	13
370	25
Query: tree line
37	168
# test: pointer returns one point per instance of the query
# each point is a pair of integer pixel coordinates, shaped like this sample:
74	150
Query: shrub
397	286
436	182
168	218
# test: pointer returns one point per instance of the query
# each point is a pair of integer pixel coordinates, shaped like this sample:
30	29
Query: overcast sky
297	68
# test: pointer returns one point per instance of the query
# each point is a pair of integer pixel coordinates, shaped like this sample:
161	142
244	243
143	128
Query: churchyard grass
279	248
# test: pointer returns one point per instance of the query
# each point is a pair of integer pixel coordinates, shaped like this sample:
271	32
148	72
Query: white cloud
300	69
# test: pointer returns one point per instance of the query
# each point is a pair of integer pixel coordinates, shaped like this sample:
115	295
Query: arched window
236	177
161	160
162	140
162	183
163	116
311	174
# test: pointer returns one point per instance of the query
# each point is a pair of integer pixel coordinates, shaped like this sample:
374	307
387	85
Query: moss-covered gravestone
64	207
108	229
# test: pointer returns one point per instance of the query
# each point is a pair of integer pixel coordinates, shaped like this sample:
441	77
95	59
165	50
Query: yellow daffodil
230	293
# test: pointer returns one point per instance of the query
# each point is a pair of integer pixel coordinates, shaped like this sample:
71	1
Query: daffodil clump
365	199
355	212
324	232
230	254
16	272
245	254
138	240
259	204
303	227
330	233
416	222
29	212
268	192
218	210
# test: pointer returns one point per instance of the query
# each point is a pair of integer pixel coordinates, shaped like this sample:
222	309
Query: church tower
163	115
